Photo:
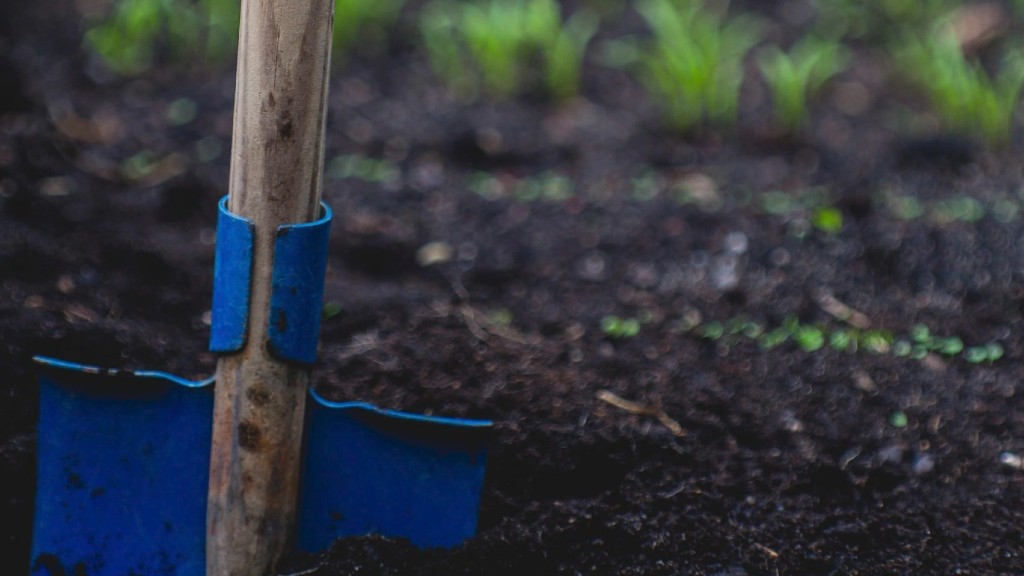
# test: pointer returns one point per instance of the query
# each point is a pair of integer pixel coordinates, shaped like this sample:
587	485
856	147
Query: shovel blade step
123	468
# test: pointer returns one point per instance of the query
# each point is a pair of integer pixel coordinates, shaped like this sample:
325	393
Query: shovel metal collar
297	285
123	467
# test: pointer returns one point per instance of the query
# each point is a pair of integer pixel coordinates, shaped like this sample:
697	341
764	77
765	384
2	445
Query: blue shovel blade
123	468
379	471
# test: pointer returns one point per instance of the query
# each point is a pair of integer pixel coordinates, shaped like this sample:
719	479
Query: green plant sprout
958	208
963	94
562	44
828	219
693	64
502	41
330	309
136	32
363	23
799	74
898	419
879	19
547	187
620	328
361	167
129	39
813	337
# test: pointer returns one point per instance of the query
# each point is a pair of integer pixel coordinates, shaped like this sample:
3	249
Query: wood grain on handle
276	166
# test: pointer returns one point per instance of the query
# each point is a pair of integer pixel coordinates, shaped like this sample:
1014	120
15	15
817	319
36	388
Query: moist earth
456	289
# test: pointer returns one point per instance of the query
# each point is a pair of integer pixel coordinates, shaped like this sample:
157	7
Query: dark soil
790	462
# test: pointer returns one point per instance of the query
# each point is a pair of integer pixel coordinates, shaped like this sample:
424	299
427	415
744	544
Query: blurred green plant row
691	61
917	344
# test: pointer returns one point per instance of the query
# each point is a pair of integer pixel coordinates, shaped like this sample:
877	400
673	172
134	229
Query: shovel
142	472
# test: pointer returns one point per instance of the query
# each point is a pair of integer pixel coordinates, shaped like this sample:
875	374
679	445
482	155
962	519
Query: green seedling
620	328
361	167
880	19
547	187
917	344
987	353
330	309
898	419
876	341
500	317
363	24
959	208
809	338
125	40
963	94
692	65
827	219
140	165
181	112
564	46
645	187
773	338
842	340
208	149
798	75
712	330
129	39
503	41
905	207
439	26
206	31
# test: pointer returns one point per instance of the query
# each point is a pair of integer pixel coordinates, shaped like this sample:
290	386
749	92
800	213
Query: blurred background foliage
960	62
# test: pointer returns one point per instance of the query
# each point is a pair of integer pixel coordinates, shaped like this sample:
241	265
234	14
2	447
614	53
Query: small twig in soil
771	553
841	311
656	412
481	330
1012	460
361	344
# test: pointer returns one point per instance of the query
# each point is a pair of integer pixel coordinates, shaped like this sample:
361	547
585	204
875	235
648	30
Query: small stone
592	267
892	453
923	464
66	284
1012	460
56	186
725	274
434	253
736	243
34	301
864	383
791	423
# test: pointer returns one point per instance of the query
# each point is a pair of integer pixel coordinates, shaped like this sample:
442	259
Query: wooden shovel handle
276	166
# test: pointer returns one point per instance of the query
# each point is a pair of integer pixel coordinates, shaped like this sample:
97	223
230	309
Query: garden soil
454	293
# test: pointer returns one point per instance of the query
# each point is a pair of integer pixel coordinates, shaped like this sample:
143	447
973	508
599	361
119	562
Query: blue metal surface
297	285
123	466
379	471
297	288
123	463
232	278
